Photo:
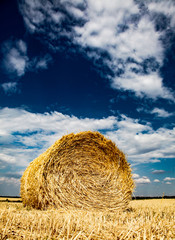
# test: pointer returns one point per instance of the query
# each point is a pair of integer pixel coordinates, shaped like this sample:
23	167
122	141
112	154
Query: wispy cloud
161	113
122	38
141	142
158	171
158	112
16	61
9	180
13	174
10	87
42	62
15	58
169	179
9	186
39	63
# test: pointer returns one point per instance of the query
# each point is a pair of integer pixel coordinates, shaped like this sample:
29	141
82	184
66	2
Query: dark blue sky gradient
72	81
75	84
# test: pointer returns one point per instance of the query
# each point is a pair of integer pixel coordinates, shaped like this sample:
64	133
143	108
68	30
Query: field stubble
144	219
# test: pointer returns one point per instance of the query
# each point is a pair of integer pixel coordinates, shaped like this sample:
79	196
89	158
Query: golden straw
83	170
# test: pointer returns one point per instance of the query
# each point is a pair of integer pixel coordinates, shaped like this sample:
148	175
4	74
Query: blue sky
108	66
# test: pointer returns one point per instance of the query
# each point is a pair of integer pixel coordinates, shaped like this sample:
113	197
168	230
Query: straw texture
83	170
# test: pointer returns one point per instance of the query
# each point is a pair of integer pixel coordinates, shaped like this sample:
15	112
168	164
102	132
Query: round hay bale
83	170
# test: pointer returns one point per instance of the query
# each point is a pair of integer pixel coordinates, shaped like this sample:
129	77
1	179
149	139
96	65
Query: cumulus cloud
161	113
169	179
16	61
140	180
135	175
156	180
121	38
141	142
24	135
168	183
143	180
158	171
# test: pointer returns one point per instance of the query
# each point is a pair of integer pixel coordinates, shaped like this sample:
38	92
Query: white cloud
24	135
143	180
135	175
156	180
7	158
9	87
11	180
139	42
19	155
158	171
16	61
23	121
141	143
101	26
168	183
40	62
142	84
76	12
35	14
21	45
166	7
119	29
169	179
15	58
161	113
28	134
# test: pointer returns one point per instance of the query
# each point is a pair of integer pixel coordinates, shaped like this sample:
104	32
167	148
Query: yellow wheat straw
83	170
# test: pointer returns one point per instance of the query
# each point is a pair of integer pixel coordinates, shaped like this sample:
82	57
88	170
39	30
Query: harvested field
80	171
10	199
144	220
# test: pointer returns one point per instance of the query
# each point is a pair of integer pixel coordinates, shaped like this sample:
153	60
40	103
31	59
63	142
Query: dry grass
10	199
145	219
80	171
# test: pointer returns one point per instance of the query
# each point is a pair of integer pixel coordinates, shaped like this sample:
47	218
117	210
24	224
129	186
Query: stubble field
144	219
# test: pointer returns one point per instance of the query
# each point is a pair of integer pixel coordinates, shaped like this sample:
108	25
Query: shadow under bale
83	170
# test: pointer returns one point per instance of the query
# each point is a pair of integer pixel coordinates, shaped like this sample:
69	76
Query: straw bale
83	170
